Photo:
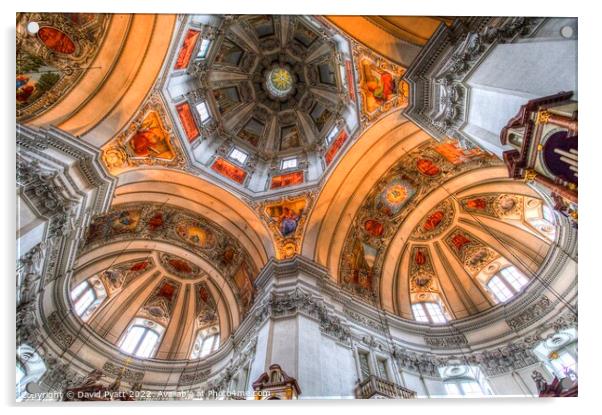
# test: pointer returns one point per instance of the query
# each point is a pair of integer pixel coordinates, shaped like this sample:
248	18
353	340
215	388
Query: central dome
279	82
266	99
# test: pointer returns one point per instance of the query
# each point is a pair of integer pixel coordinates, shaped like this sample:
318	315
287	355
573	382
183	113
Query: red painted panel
288	179
186	50
190	128
335	147
229	170
56	40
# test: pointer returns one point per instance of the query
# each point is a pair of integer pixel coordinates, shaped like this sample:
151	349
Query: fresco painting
289	179
187	48
151	139
335	146
229	170
196	234
190	128
378	85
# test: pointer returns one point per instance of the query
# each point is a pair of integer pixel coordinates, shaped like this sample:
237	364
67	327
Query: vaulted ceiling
392	213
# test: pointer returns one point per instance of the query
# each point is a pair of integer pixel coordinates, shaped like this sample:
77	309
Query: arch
196	194
461	291
119	79
391	150
115	316
345	188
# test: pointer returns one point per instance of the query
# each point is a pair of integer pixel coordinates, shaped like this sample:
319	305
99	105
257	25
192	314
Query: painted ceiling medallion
279	82
394	196
179	266
435	222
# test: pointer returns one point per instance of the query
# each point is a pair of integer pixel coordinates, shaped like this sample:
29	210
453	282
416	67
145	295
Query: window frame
98	297
235	158
332	134
362	352
205	50
512	278
433	318
498	287
284	161
202	338
142	324
205	115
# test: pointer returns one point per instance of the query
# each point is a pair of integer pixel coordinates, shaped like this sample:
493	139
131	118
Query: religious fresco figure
125	221
286	215
451	150
180	265
373	227
229	170
433	220
151	139
476	204
34	77
427	167
288	221
186	50
56	40
25	88
196	235
378	85
289	179
459	241
420	257
156	221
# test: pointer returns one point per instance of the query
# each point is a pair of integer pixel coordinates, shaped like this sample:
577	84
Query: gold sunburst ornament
279	81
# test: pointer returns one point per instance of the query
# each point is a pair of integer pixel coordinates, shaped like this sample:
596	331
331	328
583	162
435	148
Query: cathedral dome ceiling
166	265
436	224
266	137
261	99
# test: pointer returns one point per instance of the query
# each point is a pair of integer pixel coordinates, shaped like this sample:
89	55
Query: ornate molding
122	372
530	314
59	335
299	301
446	342
437	77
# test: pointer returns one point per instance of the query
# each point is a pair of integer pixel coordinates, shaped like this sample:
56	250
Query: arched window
507	283
207	342
559	354
203	111
87	297
464	381
544	223
429	312
142	338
